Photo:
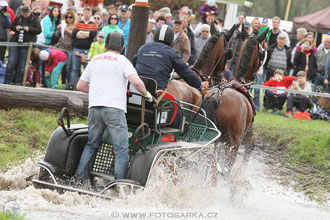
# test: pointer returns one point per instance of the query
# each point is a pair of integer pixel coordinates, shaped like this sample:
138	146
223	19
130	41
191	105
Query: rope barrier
325	95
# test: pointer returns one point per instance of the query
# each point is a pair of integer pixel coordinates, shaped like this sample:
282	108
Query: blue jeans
76	66
17	59
99	119
68	66
256	98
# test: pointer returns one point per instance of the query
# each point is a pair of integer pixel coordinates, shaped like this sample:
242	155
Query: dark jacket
32	22
157	60
4	25
288	56
300	64
193	51
86	42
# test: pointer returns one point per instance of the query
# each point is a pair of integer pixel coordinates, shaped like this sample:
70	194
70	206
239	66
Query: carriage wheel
211	171
170	167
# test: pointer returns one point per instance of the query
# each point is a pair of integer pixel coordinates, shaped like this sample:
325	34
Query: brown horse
231	110
213	53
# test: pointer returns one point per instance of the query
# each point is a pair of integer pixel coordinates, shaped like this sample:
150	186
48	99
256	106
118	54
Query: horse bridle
224	53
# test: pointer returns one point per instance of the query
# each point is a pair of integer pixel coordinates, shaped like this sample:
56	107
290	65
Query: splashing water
177	190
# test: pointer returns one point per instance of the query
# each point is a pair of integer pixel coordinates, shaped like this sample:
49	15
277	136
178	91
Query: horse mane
209	45
245	58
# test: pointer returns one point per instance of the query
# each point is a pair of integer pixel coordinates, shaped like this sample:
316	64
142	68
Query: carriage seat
159	118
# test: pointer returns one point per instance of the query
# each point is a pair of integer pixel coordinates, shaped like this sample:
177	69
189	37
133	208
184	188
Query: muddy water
250	193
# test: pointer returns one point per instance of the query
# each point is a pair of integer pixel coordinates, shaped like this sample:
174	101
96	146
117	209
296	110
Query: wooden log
41	98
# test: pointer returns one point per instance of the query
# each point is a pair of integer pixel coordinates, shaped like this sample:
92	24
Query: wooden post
27	62
138	28
287	12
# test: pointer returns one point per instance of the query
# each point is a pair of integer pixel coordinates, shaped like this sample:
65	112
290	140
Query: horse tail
210	106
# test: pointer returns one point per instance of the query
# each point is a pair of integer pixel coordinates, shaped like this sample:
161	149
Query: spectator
209	7
274	100
208	20
98	46
322	55
33	75
263	27
310	37
44	4
124	22
301	34
111	9
83	34
305	60
112	25
160	21
301	102
260	81
97	20
237	40
37	12
104	20
276	31
247	27
80	14
49	24
167	15
35	3
156	15
241	18
66	43
25	28
55	60
11	12
151	26
181	41
15	4
255	25
18	11
4	25
191	36
71	5
279	56
202	38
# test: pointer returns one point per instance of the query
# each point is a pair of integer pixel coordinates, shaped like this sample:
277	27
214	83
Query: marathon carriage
151	140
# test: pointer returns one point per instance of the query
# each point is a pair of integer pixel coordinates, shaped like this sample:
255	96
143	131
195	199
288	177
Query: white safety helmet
44	55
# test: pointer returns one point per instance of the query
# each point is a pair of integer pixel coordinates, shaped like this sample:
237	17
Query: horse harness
240	86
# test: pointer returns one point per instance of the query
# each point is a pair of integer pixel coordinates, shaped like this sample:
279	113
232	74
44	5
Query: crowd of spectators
81	32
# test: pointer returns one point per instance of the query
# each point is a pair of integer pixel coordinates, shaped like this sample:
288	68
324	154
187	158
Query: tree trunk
40	98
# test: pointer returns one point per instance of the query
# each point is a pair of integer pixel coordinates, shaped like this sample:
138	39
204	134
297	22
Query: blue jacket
157	60
125	28
327	69
48	28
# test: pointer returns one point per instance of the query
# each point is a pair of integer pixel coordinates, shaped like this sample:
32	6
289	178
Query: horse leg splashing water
231	109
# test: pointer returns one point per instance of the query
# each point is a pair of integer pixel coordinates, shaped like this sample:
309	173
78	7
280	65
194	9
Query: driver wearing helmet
157	59
105	79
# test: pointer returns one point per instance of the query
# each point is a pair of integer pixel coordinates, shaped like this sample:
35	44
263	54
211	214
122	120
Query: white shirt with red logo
107	75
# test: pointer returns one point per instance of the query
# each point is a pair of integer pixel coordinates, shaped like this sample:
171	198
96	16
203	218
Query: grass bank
24	133
307	150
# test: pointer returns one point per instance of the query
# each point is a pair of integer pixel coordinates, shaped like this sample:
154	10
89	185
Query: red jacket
55	57
285	83
12	14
